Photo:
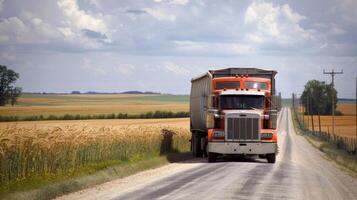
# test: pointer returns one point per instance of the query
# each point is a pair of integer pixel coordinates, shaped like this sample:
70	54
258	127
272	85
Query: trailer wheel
196	145
271	157
212	157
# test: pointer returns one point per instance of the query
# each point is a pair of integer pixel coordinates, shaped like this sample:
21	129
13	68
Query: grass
347	161
33	156
51	187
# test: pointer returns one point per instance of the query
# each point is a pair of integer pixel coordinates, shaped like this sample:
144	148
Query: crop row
147	115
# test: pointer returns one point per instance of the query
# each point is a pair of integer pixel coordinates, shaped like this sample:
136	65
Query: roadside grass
346	161
51	186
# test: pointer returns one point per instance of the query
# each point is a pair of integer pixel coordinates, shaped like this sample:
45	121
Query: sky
159	45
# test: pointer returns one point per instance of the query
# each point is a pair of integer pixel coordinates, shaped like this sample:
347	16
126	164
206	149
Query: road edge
344	161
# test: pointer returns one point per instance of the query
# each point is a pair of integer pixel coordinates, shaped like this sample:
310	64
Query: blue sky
159	45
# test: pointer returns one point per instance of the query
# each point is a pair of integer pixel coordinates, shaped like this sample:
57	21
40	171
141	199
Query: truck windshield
229	102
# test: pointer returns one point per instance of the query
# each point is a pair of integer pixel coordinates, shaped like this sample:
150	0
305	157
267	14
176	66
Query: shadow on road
173	155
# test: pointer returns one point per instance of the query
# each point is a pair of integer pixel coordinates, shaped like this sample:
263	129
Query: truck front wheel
271	157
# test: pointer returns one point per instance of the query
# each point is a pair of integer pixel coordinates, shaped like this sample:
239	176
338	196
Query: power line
333	73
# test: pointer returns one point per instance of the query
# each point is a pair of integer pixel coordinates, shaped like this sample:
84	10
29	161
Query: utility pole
333	73
293	101
356	119
308	111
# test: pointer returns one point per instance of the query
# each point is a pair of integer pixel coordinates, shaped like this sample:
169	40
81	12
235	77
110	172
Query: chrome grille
243	128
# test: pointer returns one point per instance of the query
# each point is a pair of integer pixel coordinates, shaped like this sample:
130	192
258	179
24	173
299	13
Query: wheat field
344	125
95	104
28	150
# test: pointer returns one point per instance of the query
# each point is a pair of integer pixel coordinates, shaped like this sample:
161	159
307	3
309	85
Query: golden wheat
29	151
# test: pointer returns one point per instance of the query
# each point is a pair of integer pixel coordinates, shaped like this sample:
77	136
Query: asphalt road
300	172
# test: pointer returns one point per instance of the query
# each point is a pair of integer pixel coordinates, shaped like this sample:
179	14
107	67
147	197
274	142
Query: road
300	172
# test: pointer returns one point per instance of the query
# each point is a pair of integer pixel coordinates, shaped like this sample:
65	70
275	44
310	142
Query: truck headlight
266	136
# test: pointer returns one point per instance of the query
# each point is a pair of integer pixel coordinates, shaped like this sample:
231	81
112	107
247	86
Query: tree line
147	115
317	98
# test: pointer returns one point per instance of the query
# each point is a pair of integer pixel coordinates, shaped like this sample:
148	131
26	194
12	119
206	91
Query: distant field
347	109
94	104
344	125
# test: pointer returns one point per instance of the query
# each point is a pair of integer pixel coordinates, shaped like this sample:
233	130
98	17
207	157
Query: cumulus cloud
79	19
271	22
78	23
26	29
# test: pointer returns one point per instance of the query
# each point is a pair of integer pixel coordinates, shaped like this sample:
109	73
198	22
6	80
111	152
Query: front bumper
242	148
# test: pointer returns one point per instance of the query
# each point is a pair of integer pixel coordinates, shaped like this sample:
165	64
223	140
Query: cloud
214	48
278	23
79	19
26	29
336	31
93	34
160	14
175	2
174	68
135	11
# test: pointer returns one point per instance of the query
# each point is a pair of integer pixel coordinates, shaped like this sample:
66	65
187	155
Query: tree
14	94
7	90
319	96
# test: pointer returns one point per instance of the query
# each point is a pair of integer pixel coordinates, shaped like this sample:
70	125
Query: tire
196	145
271	158
262	156
212	157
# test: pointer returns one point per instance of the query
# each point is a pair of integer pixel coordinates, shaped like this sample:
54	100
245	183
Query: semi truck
234	111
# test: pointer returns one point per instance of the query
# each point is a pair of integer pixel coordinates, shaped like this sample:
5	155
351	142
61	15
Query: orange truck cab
233	111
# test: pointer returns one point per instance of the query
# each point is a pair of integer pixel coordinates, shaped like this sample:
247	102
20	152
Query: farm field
94	104
344	125
61	147
347	109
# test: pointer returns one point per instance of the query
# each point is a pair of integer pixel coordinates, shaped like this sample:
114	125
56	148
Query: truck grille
243	129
